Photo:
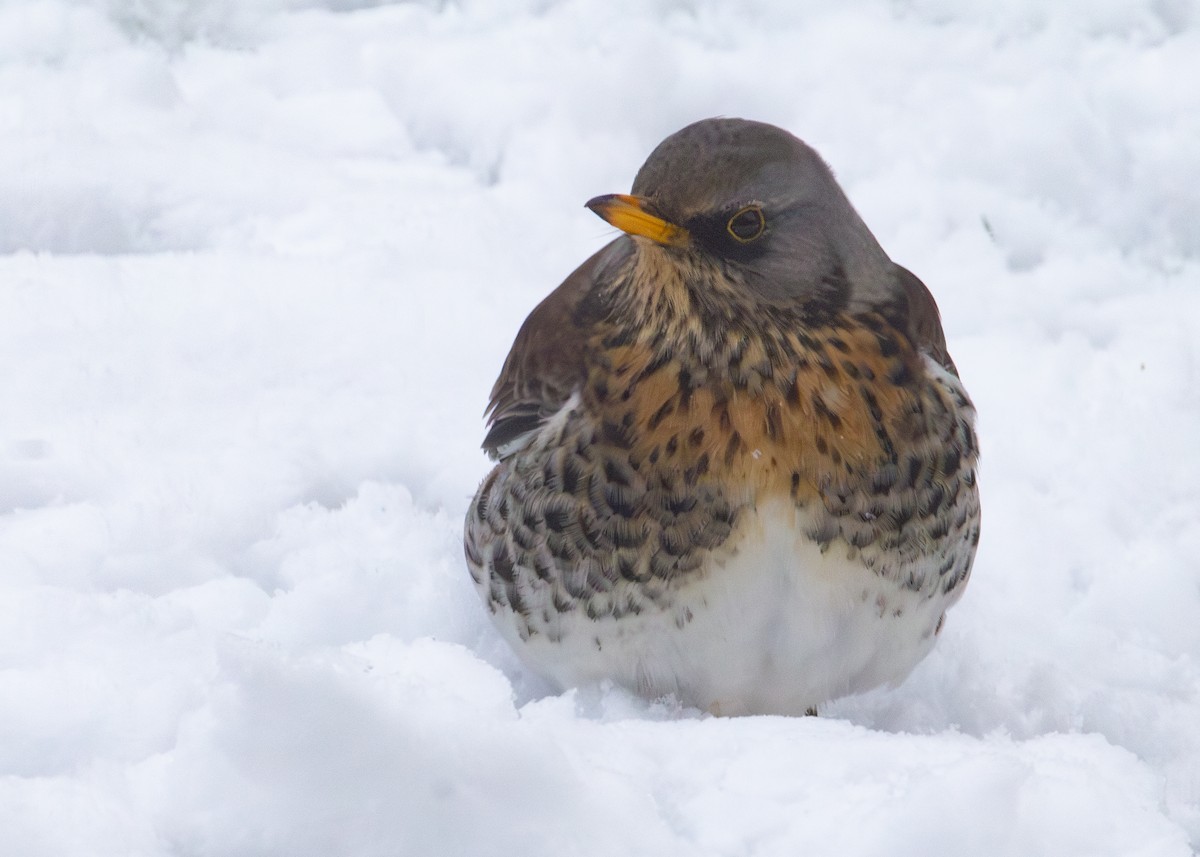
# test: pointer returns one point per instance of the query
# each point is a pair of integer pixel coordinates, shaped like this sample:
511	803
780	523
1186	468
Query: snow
259	266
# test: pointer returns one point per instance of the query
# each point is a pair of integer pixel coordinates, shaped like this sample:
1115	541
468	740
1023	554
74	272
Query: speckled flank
687	422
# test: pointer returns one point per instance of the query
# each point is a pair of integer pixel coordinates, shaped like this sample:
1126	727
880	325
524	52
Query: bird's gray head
764	202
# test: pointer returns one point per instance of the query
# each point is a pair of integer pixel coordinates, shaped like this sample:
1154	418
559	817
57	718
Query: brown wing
924	320
547	361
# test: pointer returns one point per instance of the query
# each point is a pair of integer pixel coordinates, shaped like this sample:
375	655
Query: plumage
735	460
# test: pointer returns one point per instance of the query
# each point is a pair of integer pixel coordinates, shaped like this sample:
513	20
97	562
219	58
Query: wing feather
548	359
924	320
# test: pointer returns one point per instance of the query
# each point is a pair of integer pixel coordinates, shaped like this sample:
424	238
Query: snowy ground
259	266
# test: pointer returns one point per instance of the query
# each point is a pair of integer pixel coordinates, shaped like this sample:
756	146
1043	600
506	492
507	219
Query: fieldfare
735	461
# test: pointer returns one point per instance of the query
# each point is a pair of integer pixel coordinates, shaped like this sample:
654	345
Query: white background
259	266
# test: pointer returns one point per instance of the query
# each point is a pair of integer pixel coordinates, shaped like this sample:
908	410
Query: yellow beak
635	215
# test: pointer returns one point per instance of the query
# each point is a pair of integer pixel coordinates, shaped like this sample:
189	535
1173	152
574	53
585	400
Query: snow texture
260	263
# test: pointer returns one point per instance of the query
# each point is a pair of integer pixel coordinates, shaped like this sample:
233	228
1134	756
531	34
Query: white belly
775	627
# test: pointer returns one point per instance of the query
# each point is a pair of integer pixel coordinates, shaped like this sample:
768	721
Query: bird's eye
747	225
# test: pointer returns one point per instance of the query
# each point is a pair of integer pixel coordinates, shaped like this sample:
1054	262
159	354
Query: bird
735	463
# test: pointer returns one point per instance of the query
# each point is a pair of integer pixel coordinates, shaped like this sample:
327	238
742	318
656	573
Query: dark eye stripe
747	225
